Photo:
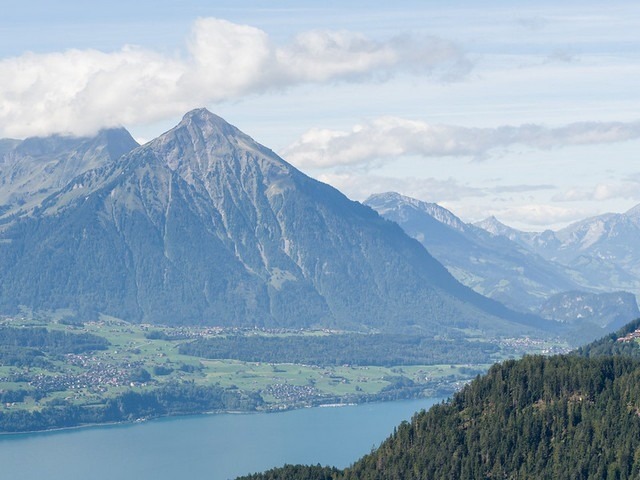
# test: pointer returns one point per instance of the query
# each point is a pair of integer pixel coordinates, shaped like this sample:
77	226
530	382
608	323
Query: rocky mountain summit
205	226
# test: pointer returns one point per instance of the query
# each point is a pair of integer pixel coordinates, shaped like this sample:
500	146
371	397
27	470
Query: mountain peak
395	199
493	225
207	151
386	195
385	203
201	131
201	112
118	139
202	120
381	200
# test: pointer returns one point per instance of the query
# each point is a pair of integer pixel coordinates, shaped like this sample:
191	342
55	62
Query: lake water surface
212	447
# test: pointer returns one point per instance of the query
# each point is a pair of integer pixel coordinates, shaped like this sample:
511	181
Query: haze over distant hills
32	169
573	275
494	266
603	251
205	226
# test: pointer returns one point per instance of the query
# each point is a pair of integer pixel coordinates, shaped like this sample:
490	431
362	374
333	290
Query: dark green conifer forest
573	416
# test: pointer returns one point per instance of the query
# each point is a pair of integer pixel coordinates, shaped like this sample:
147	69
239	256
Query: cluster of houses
630	337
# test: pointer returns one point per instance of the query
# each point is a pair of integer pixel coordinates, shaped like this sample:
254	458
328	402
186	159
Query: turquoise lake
212	447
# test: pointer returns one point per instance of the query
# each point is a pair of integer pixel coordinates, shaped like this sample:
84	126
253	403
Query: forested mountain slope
205	226
573	416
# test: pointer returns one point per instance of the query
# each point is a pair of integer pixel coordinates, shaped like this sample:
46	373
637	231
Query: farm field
144	359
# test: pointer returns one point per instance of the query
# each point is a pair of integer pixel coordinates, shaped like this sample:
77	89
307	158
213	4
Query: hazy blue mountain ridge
594	314
507	265
204	225
34	168
602	252
492	265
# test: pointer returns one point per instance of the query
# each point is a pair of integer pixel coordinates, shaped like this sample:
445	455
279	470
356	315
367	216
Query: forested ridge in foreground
573	416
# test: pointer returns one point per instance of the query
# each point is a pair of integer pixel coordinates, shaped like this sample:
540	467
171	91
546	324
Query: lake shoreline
214	446
275	409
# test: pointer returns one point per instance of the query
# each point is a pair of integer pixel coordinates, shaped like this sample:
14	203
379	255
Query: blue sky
523	110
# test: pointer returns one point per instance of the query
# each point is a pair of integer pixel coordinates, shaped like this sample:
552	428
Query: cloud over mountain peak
81	91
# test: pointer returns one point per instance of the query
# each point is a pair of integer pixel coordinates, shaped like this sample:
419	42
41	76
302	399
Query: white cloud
80	91
629	190
521	188
470	203
533	23
387	138
360	187
324	55
540	214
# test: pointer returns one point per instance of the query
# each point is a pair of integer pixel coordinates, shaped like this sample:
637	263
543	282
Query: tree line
170	399
571	416
342	349
30	346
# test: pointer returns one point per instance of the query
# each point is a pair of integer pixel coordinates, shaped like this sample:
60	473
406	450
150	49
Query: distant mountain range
32	169
205	226
490	264
602	251
605	310
573	275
